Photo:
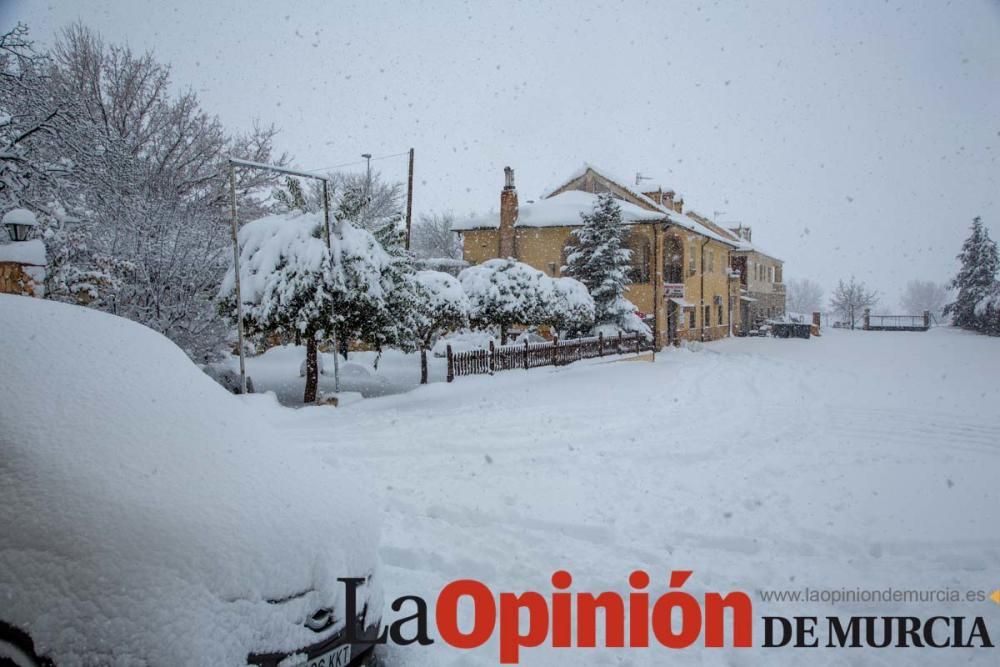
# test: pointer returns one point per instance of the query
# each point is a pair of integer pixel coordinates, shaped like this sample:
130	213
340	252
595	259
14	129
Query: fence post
868	319
491	360
600	343
555	350
451	365
621	348
638	343
525	354
927	319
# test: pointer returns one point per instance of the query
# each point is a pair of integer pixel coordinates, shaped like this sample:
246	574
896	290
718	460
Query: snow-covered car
149	517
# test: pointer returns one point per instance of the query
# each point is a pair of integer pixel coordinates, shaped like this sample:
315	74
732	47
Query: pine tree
976	278
600	260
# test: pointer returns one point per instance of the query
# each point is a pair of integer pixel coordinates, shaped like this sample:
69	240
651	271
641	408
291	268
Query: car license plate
337	657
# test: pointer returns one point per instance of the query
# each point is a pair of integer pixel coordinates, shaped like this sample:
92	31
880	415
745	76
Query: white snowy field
855	460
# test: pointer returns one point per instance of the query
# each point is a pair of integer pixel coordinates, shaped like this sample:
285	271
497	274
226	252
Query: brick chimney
508	214
668	199
678	205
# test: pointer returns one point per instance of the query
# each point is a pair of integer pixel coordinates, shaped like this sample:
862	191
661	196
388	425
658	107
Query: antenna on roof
639	178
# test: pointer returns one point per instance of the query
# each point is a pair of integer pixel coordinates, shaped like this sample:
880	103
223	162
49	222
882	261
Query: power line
356	162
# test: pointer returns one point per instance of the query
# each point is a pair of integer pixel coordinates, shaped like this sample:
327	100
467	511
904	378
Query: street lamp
19	223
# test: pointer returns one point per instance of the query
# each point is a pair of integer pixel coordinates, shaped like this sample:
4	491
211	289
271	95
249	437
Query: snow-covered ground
365	373
855	460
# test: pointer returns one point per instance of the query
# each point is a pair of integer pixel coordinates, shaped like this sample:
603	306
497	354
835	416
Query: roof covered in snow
561	210
565	209
623	183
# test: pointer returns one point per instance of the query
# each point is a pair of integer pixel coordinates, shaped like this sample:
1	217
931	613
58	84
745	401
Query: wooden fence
532	355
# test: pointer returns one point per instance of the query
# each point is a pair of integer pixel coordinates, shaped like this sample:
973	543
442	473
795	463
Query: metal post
326	233
236	269
409	201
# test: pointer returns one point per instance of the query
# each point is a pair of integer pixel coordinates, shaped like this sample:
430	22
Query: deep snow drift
855	460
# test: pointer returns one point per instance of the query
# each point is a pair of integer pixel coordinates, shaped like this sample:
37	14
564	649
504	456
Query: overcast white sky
855	137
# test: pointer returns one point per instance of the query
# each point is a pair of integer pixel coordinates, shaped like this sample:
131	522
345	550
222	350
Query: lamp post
19	223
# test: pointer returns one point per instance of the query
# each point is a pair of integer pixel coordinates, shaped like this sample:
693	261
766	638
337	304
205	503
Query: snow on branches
292	283
504	292
599	259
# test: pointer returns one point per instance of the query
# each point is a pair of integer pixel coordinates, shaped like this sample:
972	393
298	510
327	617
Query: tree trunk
312	371
423	365
342	344
503	334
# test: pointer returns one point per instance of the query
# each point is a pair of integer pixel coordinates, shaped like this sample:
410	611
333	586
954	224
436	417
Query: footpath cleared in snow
856	460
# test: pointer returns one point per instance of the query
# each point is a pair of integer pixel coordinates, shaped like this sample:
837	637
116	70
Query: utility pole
409	201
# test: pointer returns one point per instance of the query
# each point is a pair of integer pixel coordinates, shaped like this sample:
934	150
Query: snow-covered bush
439	305
572	310
503	292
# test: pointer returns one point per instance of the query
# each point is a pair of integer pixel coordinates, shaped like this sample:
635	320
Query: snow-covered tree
374	204
29	118
599	259
432	237
292	283
129	181
851	298
440	305
572	309
976	278
987	311
287	284
291	197
365	279
803	296
924	295
504	292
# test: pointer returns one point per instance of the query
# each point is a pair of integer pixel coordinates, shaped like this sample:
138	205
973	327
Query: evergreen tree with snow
976	277
599	259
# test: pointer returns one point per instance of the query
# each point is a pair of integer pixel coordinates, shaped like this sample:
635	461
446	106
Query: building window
720	314
552	268
693	259
673	261
639	271
691	316
707	316
710	260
